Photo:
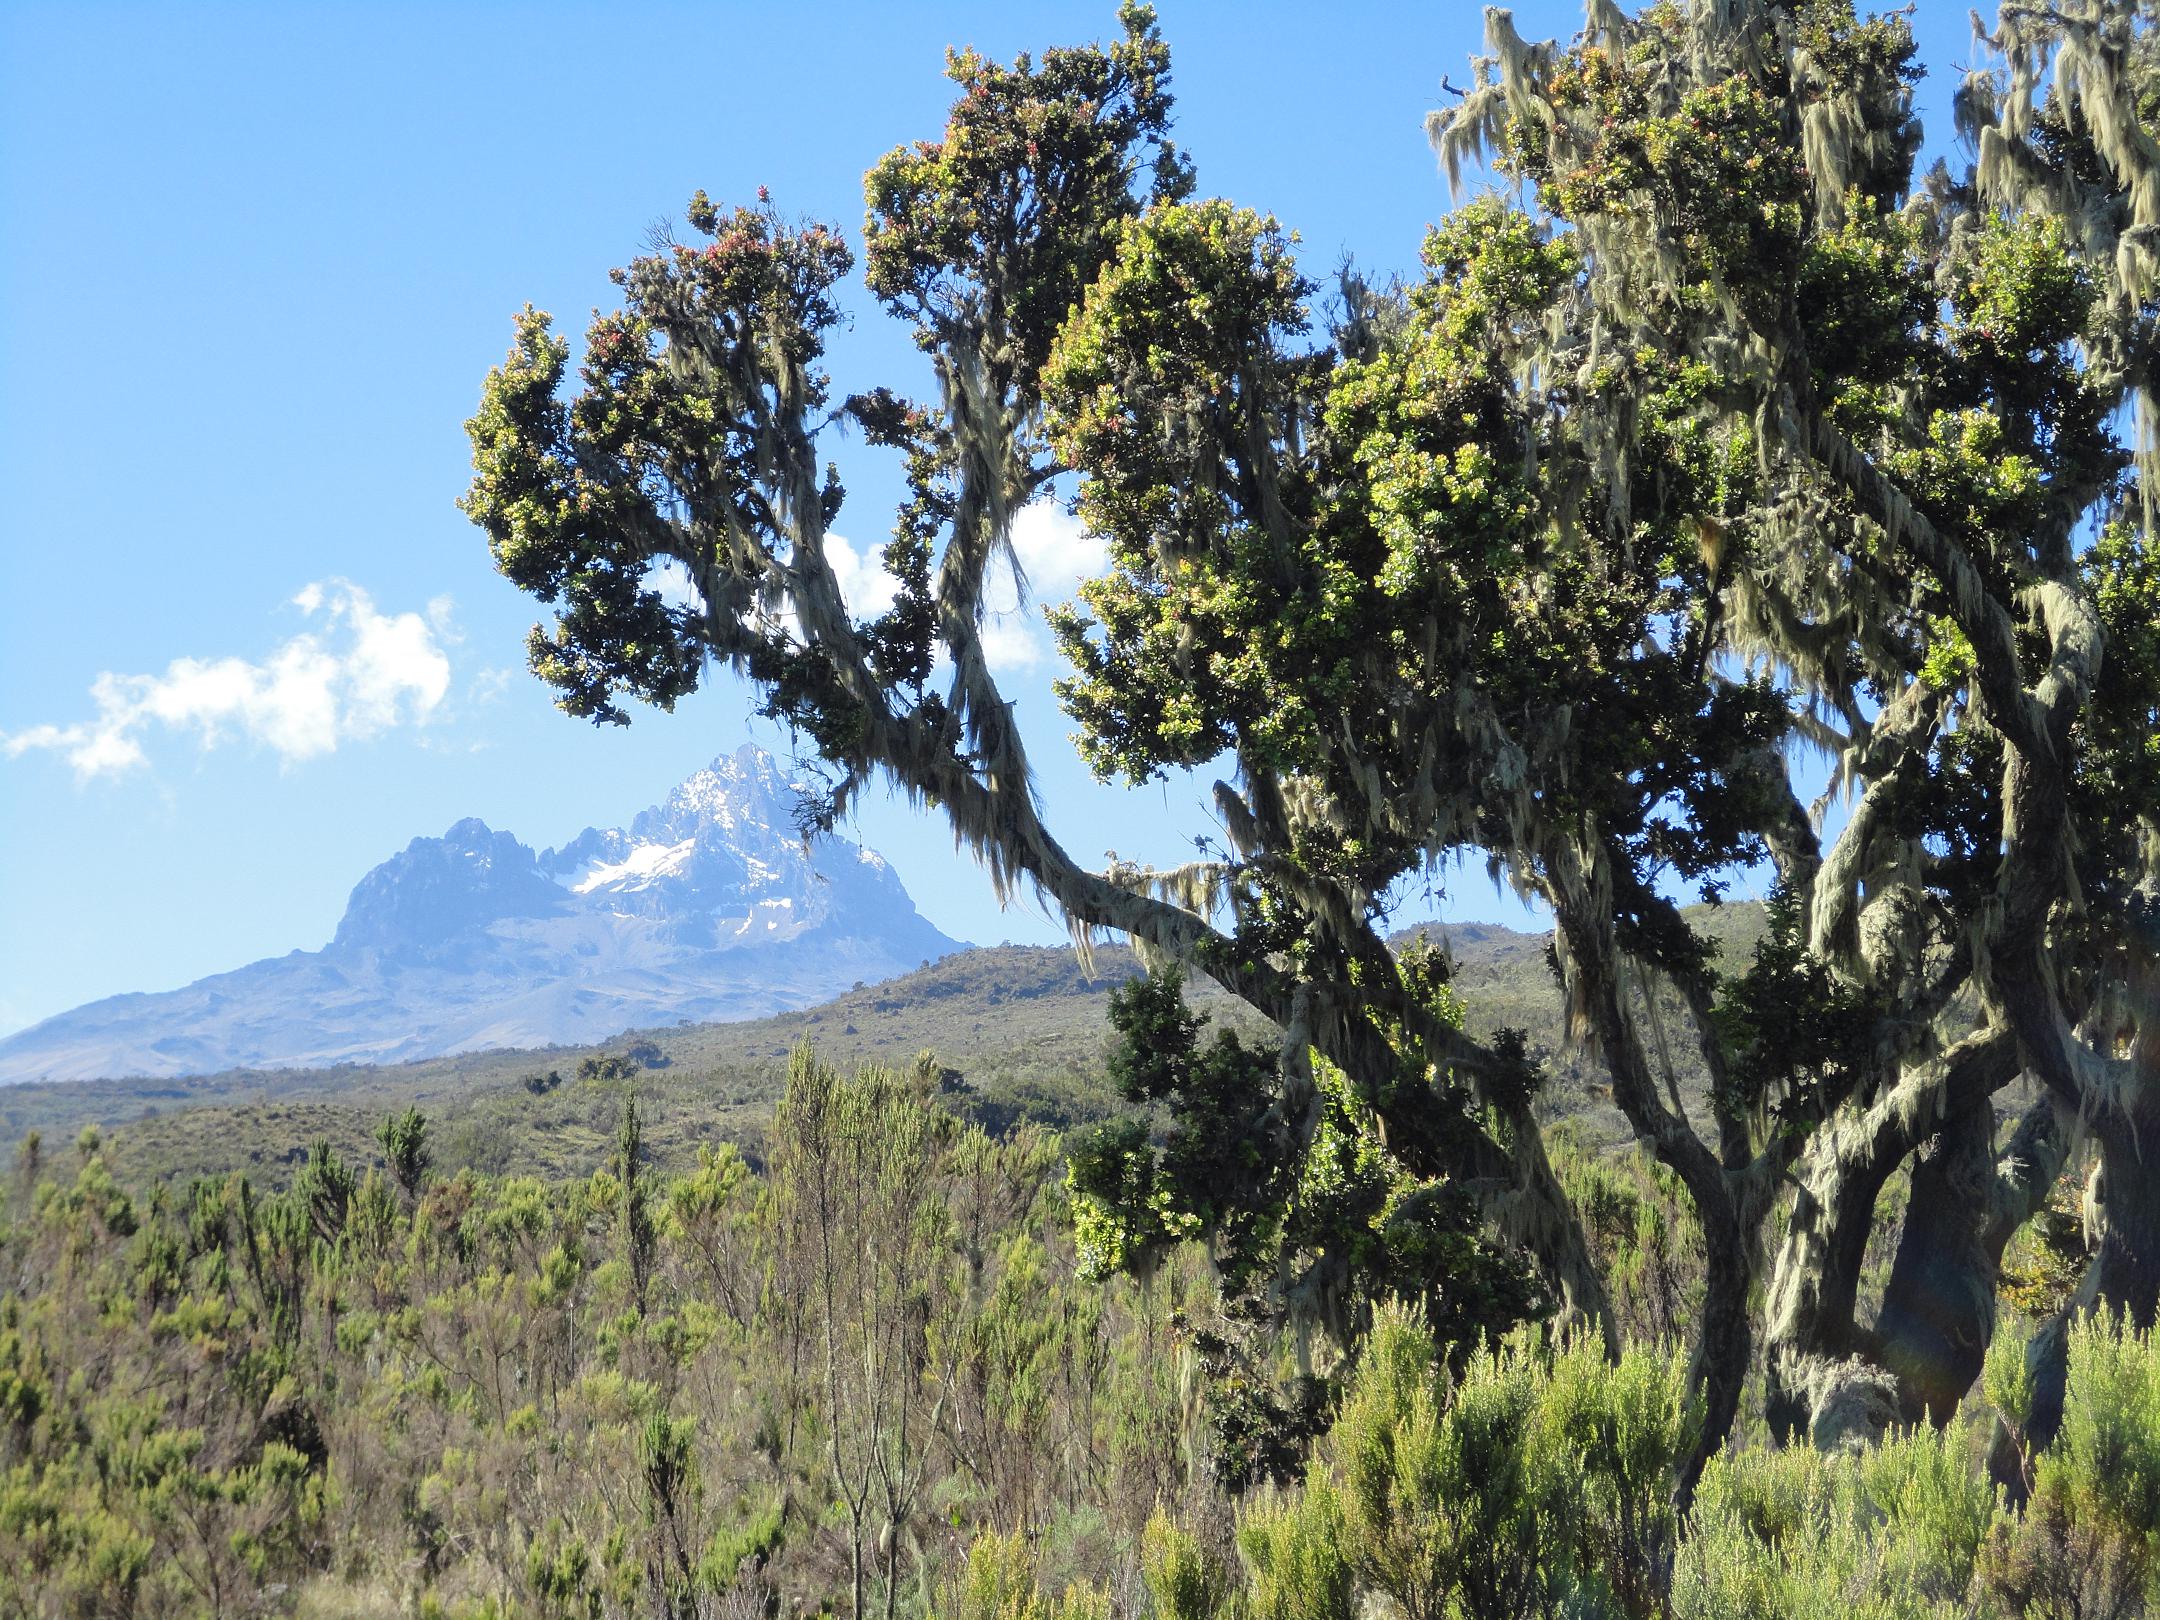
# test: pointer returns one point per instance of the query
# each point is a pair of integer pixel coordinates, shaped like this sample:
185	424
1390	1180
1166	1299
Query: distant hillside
1024	1027
1025	1024
1506	978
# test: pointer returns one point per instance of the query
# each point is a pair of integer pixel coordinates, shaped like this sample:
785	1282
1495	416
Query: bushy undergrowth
871	1378
620	1394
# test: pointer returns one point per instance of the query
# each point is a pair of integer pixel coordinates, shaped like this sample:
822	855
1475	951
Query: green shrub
1538	1480
1605	1448
1293	1544
2089	1542
1000	1583
1892	1533
2105	1460
1184	1581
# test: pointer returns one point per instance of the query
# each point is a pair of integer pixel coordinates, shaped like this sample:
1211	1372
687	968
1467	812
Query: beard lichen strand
1985	621
1833	131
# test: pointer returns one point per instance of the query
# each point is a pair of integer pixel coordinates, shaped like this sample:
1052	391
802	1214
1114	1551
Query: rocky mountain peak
708	905
436	888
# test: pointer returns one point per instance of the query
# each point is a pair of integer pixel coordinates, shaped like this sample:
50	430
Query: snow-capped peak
707	905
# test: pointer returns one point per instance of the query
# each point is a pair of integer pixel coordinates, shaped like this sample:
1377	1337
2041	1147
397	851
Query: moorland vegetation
890	1373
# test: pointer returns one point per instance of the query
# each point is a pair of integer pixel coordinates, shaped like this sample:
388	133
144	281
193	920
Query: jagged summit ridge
708	905
723	842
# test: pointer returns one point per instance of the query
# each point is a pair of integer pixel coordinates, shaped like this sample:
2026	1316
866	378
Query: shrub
1888	1534
1293	1544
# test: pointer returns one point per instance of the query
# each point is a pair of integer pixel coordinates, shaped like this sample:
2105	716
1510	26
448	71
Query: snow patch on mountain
639	867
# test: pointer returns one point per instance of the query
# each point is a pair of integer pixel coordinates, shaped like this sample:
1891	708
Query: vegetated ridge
1021	1031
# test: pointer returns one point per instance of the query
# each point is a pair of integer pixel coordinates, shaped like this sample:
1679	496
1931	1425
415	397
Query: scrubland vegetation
878	1376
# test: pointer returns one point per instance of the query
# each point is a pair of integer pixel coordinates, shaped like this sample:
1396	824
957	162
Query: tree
640	1225
1923	523
694	442
1723	443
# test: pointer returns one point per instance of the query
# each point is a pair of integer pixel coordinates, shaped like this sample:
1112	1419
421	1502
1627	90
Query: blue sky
254	262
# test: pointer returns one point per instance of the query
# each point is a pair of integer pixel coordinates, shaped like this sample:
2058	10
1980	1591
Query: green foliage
1329	1228
640	1230
1169	334
1034	168
1000	1583
1214	1175
2102	1471
454	1403
1892	1533
1607	1443
1793	1028
1912	1527
1536	1480
457	1402
1641	1230
1437	1507
2119	766
404	1139
1185	1582
1295	1552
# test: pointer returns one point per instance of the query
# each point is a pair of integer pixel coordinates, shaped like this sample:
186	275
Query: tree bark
1938	1308
1815	1347
1815	1282
1967	1202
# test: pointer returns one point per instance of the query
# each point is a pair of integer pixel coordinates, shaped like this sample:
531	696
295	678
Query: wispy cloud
1056	553
361	672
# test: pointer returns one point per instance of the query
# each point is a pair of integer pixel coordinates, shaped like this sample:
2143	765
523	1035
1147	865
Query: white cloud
1056	553
865	586
673	584
363	673
1011	645
1056	550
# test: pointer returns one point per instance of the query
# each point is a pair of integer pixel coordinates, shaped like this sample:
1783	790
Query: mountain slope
706	907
